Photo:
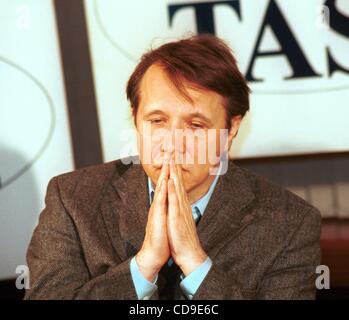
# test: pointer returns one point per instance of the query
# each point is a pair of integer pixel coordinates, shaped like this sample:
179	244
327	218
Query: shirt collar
202	203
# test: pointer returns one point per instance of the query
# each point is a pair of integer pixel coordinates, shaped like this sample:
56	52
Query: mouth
183	168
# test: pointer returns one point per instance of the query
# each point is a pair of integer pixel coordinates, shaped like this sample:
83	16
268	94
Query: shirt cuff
193	280
144	288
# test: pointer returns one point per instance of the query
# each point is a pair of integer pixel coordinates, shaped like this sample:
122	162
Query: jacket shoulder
282	214
277	204
90	180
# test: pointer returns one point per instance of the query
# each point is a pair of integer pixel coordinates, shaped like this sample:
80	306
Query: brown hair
205	62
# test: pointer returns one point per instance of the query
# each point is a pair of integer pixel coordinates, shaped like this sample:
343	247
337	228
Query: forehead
158	92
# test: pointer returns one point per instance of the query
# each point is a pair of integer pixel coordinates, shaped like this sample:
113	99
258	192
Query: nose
172	142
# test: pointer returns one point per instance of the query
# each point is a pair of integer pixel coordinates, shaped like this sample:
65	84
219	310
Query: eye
156	121
196	125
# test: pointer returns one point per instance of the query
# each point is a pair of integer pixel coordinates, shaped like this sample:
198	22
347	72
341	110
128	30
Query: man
186	223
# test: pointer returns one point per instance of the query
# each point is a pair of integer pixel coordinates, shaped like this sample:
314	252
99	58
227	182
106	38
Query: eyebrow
191	115
156	111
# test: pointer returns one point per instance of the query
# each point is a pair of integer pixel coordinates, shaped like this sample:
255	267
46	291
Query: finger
158	217
173	205
163	192
181	181
164	171
181	194
161	199
162	177
174	176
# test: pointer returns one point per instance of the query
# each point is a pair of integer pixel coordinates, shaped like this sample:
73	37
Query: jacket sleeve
57	268
293	274
217	286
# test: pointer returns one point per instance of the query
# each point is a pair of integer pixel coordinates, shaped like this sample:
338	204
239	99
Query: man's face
168	125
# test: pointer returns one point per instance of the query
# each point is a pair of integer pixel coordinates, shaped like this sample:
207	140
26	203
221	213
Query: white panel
287	116
34	134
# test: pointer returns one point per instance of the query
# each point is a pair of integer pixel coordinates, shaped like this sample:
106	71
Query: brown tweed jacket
262	239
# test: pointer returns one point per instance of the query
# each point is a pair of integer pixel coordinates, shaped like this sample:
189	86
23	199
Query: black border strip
79	85
293	157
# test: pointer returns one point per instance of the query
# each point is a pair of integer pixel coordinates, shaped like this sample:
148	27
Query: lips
159	166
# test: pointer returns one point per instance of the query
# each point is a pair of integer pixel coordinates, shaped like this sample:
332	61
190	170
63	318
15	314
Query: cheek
195	176
150	150
206	149
214	147
156	155
151	172
141	144
196	150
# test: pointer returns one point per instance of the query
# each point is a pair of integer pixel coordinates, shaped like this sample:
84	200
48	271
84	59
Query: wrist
146	266
189	264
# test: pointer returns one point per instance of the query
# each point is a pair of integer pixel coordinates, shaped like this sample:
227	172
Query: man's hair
201	62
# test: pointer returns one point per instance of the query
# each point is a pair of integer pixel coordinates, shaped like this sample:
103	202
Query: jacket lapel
125	208
225	216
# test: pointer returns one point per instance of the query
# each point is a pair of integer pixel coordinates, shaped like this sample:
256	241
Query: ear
234	129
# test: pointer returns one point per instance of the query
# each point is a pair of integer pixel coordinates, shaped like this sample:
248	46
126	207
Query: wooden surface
335	250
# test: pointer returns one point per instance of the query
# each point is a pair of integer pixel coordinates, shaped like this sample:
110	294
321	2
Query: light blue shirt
189	284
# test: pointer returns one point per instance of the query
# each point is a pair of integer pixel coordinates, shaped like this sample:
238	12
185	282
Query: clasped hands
170	229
